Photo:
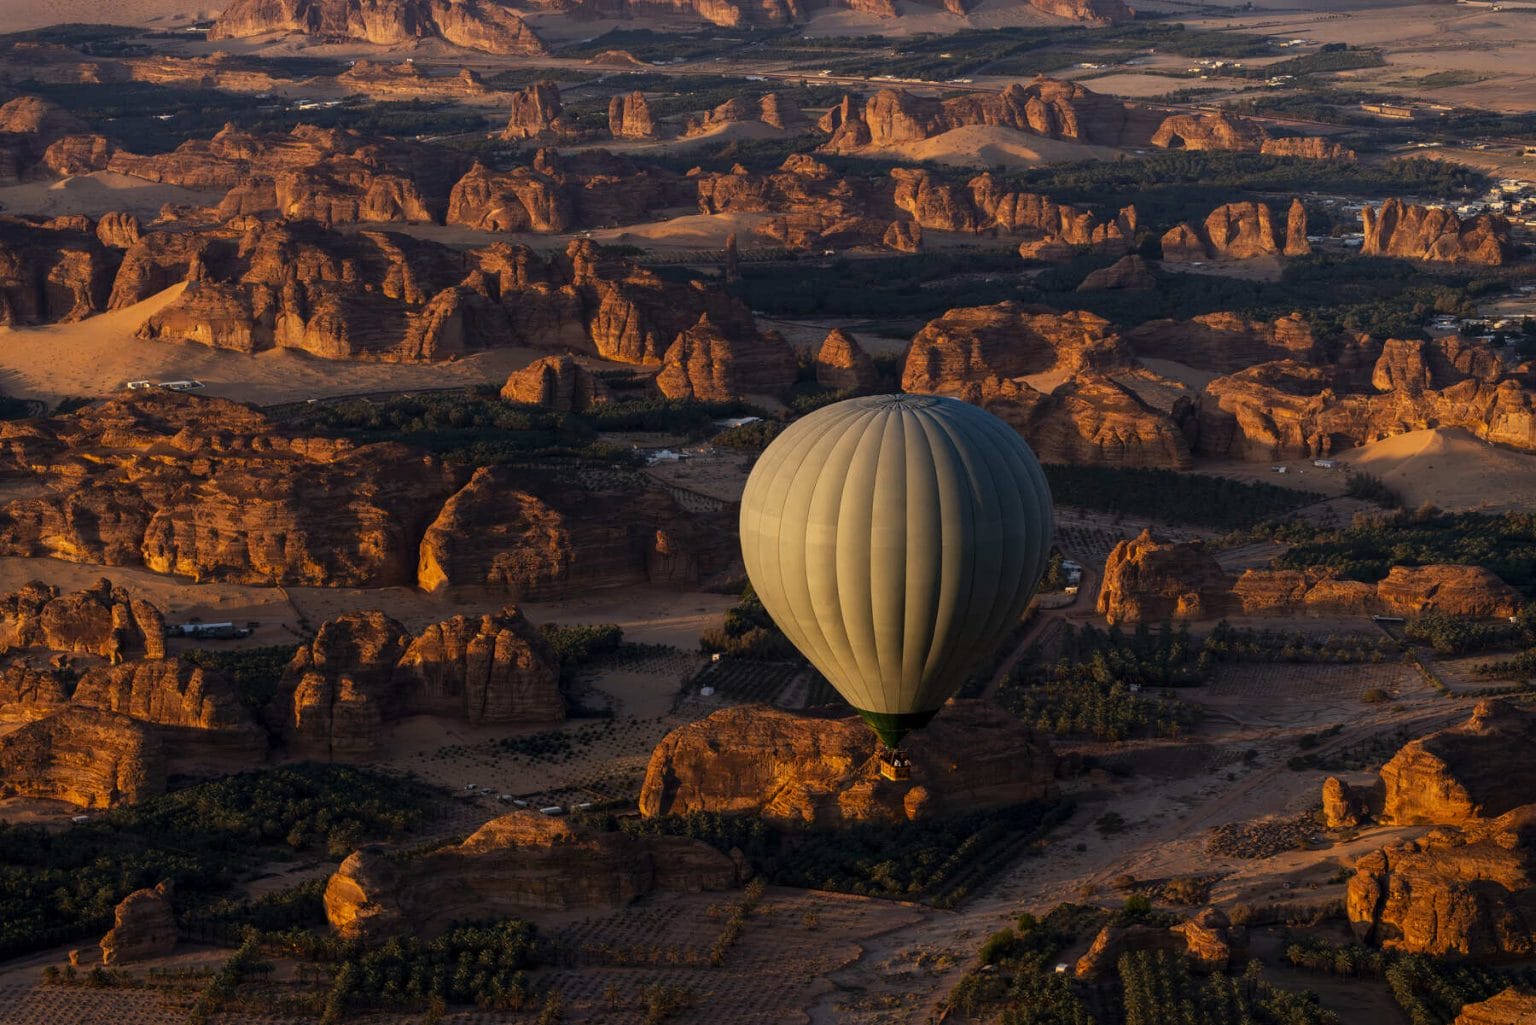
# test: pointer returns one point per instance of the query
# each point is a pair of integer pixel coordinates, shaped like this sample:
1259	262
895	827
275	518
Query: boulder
1342	808
144	927
1147	579
521	864
797	770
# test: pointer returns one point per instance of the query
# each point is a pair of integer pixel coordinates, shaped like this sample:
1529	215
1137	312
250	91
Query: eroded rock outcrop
54	270
1466	887
211	490
555	382
520	864
1455	891
363	671
629	117
1222	131
1129	273
1149	580
1206	939
498	535
824	772
709	363
82	756
1514	1006
1435	233
29	692
1044	106
1093	12
1481	769
474	24
103	620
770	109
196	712
843	365
1239	231
1225	342
143	927
536	112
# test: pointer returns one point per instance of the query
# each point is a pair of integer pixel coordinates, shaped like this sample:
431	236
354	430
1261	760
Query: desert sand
98	355
20	15
992	146
1450	469
96	194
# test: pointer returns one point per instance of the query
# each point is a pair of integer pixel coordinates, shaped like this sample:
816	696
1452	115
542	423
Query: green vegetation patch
940	860
59	886
1168	496
1367	549
254	671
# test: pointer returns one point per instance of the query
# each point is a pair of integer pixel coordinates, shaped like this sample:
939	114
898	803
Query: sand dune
95	194
20	15
99	355
1450	469
990	146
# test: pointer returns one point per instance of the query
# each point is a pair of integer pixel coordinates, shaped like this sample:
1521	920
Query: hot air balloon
896	539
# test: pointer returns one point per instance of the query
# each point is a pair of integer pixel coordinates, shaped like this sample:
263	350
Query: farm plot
1290	695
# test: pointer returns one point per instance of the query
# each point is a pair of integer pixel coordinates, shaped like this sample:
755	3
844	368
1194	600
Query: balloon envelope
896	540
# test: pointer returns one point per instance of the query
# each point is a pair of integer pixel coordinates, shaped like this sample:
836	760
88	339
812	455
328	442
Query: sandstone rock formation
1435	233
211	490
1453	892
1147	580
995	355
1514	1006
474	24
770	109
555	382
363	671
629	117
407	80
144	927
197	713
1453	590
1206	939
815	206
118	230
1044	106
52	271
84	757
1481	769
1465	888
28	126
1223	131
536	112
103	620
1210	131
1239	231
1412	367
1129	273
28	693
843	365
497	536
517	200
1342	807
824	772
1094	12
1225	342
1307	147
707	363
520	864
1055	229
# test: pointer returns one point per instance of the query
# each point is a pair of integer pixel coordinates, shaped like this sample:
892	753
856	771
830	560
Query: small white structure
1325	464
